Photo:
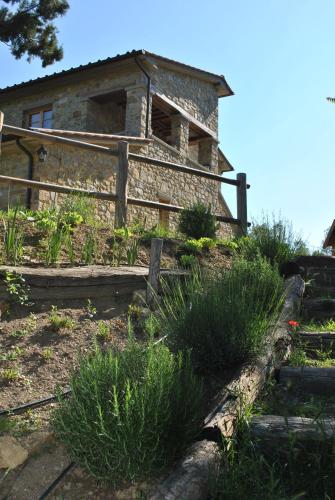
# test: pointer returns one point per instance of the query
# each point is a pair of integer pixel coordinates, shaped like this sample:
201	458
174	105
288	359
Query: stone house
330	239
166	109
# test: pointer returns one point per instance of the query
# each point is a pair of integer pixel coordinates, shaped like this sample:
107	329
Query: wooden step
274	431
320	308
309	378
318	340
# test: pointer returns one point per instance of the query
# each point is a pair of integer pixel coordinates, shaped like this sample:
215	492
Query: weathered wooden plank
22	132
272	432
122	185
154	269
182	168
242	214
57	188
95	137
318	340
309	378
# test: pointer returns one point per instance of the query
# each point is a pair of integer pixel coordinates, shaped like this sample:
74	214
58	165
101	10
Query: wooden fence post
242	213
154	269
122	185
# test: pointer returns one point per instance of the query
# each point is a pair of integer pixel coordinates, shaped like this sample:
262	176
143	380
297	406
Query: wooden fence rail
120	197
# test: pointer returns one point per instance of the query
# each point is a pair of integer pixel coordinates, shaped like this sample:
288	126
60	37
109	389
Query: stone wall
197	97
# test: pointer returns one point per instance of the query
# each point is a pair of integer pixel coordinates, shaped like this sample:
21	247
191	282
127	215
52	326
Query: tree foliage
26	27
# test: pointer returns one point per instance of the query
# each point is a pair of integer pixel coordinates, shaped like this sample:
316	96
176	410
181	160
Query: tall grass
273	239
292	471
55	241
224	321
13	238
130	412
90	247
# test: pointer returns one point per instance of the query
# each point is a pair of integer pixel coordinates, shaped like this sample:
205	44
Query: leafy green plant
58	322
130	413
103	332
192	246
229	244
197	221
90	308
10	375
13	238
16	287
188	261
47	353
19	334
223	320
207	243
80	204
13	354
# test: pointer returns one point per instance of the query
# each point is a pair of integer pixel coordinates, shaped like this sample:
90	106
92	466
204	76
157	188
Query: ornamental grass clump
224	321
130	413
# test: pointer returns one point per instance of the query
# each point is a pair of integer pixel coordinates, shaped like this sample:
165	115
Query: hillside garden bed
145	382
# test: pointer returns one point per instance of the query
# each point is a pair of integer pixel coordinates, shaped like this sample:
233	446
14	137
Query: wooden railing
120	197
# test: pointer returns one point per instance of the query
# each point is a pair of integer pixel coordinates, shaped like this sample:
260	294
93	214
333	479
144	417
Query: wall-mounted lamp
42	153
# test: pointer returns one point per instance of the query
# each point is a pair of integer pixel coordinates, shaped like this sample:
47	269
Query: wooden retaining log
80	283
309	378
318	340
319	308
274	432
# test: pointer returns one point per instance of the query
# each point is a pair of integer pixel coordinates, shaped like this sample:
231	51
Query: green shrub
188	261
130	413
274	240
197	221
224	321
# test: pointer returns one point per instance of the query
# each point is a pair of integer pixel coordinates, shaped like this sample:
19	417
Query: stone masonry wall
195	96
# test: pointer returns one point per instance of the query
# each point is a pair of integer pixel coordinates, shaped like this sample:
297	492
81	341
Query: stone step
274	432
310	379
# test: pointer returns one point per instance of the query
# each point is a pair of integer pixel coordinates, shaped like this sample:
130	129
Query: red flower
293	324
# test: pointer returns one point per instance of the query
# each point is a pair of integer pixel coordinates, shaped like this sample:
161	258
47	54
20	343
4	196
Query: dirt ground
41	356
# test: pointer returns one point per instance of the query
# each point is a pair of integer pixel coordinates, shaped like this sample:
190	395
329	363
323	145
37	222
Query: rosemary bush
274	240
130	412
224	321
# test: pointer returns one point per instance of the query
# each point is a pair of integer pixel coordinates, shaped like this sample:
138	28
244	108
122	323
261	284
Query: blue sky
278	57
